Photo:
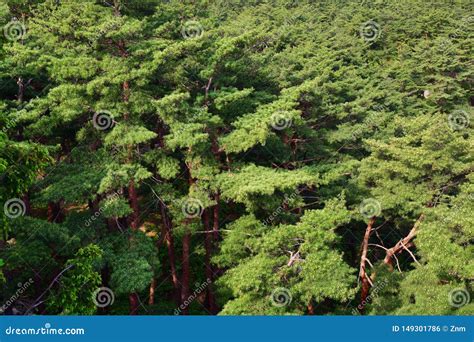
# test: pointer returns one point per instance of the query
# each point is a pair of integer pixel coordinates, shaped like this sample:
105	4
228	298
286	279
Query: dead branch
403	243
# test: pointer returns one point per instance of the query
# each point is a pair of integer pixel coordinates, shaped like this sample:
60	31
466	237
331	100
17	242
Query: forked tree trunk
363	260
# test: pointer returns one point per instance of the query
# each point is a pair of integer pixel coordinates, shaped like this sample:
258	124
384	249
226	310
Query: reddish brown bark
362	270
133	303
311	308
133	198
51	211
151	295
125	88
185	280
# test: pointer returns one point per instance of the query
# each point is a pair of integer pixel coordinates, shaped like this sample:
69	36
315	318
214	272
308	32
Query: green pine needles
295	157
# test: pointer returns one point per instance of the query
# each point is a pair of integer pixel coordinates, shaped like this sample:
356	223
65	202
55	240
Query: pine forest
232	157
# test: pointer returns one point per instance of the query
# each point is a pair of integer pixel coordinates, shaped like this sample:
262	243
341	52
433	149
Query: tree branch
37	302
400	245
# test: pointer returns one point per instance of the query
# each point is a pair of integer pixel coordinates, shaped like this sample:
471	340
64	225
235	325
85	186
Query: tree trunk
366	283
21	89
94	205
54	212
26	200
169	241
135	216
51	211
186	272
311	308
134	303
216	217
151	297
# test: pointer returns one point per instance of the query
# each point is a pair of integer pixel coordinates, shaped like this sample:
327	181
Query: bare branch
411	253
37	301
400	245
366	282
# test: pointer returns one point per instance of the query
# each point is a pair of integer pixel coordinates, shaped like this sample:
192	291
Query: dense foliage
236	157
